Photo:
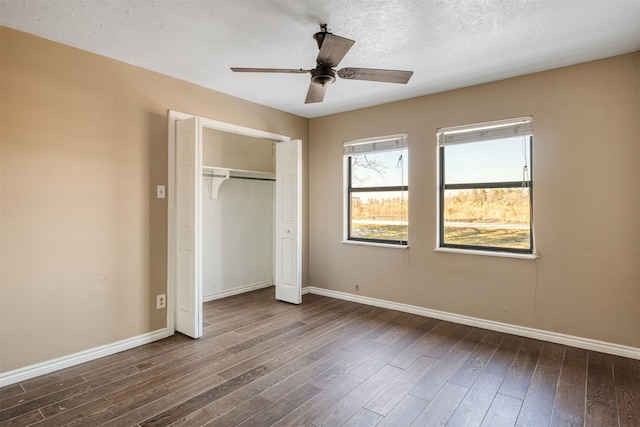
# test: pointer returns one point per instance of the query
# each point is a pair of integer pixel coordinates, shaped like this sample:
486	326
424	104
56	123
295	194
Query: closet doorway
197	177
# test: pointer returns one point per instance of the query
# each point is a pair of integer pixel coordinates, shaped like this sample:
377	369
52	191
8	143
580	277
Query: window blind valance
375	145
485	131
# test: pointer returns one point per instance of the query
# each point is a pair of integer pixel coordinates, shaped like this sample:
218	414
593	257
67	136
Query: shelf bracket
214	182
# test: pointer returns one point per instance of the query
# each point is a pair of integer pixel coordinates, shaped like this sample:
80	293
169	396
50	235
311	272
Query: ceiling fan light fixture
323	76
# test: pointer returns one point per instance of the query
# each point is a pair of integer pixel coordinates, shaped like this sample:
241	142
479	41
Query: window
486	187
377	190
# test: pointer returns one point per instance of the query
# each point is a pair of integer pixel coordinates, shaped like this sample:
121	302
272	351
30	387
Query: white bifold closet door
188	294
288	229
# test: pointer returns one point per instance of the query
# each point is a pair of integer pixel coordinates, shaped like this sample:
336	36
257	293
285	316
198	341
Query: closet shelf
217	176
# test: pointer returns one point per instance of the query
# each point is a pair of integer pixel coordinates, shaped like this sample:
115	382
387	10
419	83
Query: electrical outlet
161	301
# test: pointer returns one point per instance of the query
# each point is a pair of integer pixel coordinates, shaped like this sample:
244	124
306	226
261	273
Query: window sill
381	245
535	255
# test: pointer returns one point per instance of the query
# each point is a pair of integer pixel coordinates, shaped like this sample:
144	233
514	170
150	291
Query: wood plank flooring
331	362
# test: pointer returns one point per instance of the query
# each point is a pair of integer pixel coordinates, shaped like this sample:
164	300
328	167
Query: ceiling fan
332	49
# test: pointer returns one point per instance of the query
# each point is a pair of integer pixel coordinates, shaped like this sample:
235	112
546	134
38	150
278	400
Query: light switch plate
160	191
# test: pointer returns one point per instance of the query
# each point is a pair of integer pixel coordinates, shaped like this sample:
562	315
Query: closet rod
212	175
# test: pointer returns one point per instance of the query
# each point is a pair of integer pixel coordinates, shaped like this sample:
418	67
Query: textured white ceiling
447	43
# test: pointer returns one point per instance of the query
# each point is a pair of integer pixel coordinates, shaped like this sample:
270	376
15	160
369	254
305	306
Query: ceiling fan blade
269	70
315	93
390	76
333	49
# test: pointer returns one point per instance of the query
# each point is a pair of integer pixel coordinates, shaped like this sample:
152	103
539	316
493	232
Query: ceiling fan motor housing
323	75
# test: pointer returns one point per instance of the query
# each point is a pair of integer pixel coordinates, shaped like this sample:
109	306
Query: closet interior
238	191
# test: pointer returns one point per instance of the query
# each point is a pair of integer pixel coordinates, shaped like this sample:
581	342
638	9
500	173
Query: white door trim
171	215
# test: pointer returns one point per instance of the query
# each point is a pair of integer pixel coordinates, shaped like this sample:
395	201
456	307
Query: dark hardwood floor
331	362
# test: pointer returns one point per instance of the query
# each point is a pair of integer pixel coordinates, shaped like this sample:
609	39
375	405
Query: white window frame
473	133
364	146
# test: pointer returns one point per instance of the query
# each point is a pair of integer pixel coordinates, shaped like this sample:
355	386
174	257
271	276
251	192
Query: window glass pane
500	160
496	217
379	215
385	169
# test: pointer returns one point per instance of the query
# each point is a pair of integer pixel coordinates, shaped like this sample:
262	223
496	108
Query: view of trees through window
497	217
378	196
381	216
484	187
486	190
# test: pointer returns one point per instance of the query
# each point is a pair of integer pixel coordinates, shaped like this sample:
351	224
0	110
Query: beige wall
235	151
83	238
586	205
83	146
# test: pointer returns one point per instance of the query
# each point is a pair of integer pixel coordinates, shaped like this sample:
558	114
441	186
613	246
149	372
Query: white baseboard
573	341
236	291
22	374
32	371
